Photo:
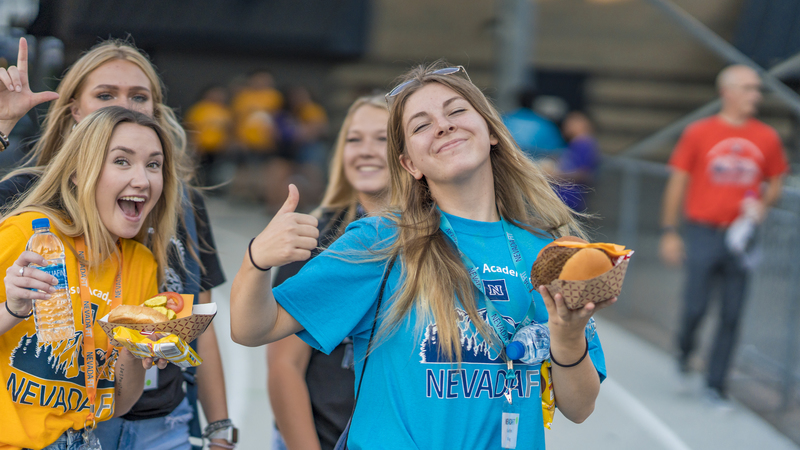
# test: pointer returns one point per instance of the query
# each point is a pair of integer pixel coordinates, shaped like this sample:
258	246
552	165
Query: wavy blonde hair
59	123
340	194
66	191
435	280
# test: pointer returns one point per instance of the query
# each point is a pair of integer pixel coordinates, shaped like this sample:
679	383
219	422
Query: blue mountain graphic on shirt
58	361
474	349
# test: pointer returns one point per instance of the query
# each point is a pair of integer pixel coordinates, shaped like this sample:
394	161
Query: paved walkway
642	405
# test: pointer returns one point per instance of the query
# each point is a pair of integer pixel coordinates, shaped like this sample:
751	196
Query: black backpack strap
342	443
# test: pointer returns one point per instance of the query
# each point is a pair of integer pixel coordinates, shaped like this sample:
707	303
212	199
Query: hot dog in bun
136	314
161	308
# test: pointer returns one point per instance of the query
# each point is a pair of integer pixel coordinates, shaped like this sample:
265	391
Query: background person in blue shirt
535	135
436	356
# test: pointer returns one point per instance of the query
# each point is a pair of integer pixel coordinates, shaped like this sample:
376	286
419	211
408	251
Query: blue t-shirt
535	135
411	396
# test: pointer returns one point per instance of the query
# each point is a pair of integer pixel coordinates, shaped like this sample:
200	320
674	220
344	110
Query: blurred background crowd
598	90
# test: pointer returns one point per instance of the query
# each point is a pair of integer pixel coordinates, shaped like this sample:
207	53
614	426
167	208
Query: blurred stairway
628	108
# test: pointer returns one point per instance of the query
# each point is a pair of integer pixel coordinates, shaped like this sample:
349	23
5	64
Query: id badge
151	378
510	425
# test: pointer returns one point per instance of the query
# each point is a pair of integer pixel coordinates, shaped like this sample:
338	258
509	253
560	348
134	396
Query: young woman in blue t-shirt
466	198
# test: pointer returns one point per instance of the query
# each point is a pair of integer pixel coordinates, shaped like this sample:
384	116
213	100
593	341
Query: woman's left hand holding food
567	325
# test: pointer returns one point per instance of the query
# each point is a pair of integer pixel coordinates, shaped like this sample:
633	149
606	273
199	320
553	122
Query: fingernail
54	281
52	289
19	88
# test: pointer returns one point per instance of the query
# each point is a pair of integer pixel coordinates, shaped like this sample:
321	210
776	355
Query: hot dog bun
568	263
136	314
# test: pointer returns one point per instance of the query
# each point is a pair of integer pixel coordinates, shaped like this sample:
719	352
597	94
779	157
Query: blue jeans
70	440
277	440
707	262
170	432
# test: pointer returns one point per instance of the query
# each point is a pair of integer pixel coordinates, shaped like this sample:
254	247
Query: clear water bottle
531	344
53	317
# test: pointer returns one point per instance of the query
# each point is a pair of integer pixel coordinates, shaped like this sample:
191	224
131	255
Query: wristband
17	315
214	429
250	253
586	352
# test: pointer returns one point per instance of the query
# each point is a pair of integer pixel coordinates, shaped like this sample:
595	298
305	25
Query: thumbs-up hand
289	237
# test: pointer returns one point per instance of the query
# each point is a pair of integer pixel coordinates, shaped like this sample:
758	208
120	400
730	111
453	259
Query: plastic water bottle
531	344
591	330
53	317
742	231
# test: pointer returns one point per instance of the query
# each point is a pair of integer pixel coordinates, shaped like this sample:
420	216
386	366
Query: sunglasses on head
445	71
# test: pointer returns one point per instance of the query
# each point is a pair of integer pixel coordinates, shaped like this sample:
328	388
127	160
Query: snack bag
548	397
154	344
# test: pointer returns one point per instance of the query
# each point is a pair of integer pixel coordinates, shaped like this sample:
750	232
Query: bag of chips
154	344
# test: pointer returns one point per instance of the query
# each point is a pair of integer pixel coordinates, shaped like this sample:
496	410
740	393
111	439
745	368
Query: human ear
407	164
493	140
75	111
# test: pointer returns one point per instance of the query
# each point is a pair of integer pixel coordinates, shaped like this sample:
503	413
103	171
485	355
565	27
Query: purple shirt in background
582	154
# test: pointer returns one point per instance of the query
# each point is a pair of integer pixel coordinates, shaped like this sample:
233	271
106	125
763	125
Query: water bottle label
59	272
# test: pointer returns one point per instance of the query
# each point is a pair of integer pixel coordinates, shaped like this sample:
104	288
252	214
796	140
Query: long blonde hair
340	194
435	280
66	191
58	123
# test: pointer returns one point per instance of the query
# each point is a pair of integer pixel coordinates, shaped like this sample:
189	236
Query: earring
74	125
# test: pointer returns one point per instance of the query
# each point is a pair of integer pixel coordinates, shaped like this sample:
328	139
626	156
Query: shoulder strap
369	344
375	321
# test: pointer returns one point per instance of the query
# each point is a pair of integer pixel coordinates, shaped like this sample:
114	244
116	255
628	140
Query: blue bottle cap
40	223
515	350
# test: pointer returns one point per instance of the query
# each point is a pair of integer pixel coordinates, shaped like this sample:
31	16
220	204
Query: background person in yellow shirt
210	123
113	180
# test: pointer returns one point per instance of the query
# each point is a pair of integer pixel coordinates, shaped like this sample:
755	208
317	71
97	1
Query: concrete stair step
649	93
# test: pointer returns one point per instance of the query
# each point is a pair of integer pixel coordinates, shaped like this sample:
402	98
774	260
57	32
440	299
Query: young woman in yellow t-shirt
112	187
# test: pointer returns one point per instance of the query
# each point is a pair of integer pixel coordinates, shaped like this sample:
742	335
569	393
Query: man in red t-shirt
719	162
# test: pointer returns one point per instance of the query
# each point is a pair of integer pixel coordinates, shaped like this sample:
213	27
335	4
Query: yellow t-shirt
249	100
311	113
253	110
43	392
211	123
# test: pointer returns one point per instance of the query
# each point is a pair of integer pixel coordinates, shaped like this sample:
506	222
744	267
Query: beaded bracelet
215	426
250	253
586	352
17	315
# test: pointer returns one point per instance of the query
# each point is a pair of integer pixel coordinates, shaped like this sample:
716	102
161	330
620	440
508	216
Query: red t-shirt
724	162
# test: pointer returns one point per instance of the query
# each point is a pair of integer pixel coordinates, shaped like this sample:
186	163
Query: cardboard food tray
604	287
190	323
